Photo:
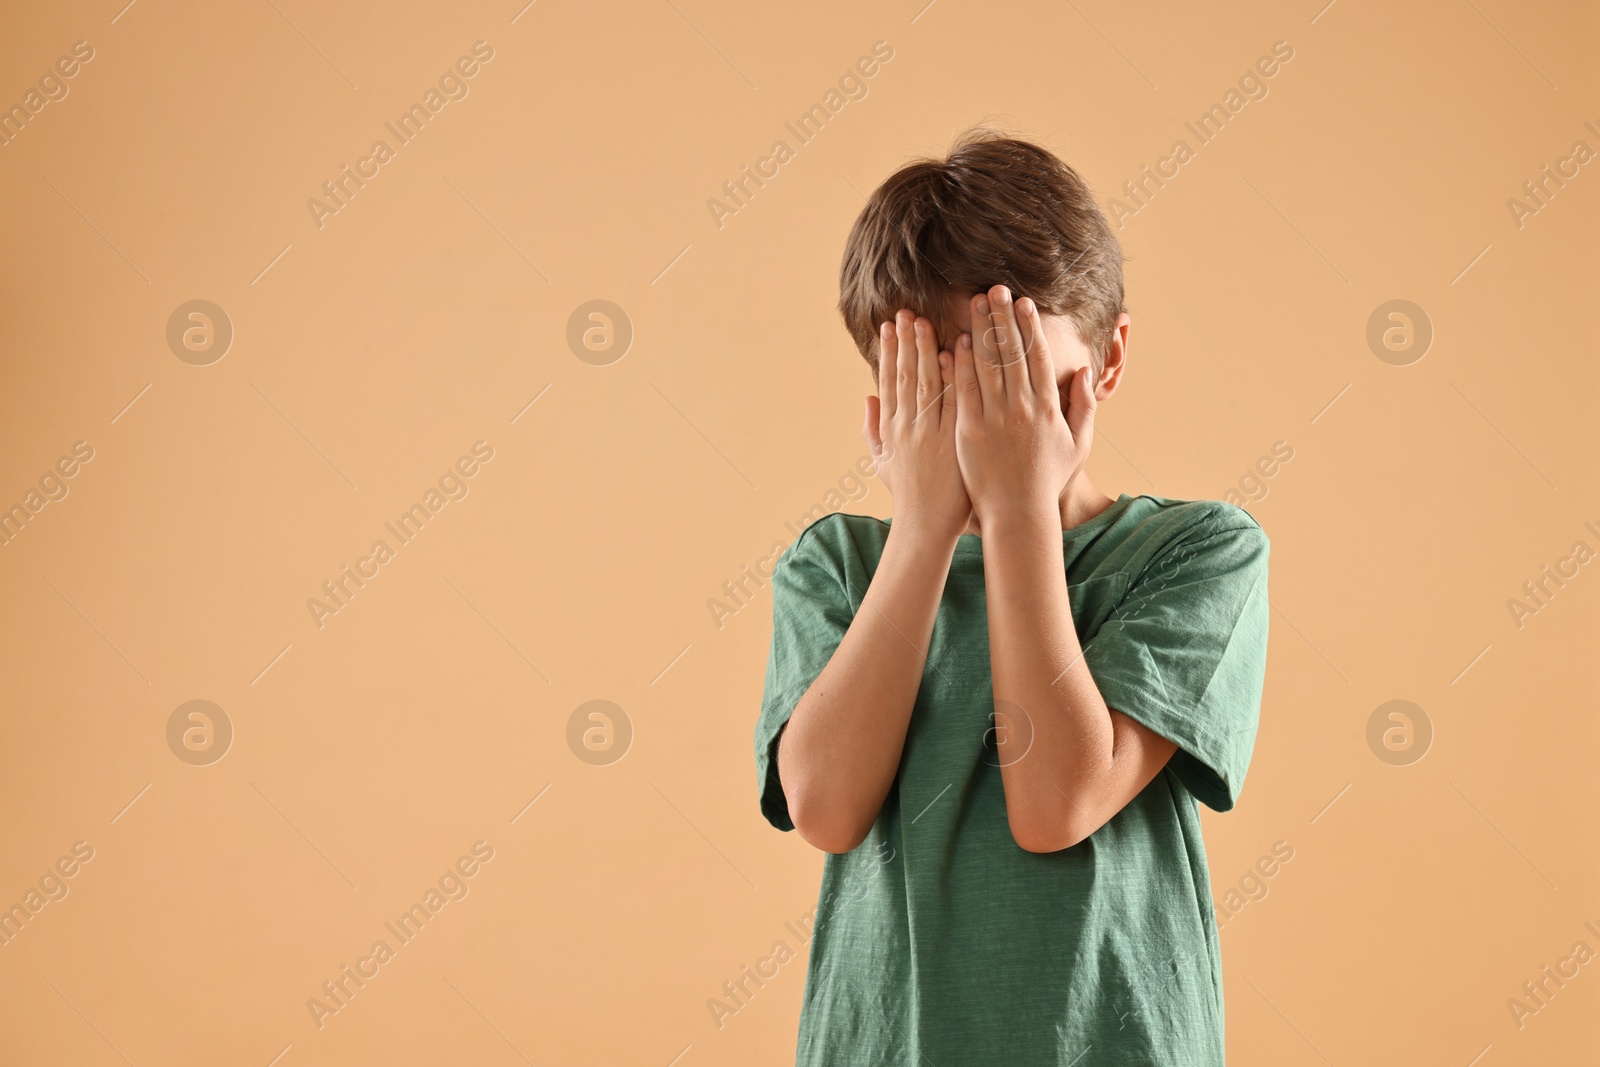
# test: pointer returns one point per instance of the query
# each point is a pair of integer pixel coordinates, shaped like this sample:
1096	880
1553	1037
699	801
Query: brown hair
995	211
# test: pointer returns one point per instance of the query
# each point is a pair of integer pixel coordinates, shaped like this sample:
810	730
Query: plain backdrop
373	346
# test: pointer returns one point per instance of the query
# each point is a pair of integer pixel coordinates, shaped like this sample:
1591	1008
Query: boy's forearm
842	745
1061	736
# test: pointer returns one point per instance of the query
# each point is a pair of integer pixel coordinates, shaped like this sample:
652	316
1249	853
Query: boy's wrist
922	539
1012	515
1020	518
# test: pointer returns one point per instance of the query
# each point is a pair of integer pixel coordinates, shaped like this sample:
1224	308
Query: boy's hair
995	211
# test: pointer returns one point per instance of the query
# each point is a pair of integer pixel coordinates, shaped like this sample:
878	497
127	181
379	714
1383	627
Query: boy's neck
1079	503
1082	501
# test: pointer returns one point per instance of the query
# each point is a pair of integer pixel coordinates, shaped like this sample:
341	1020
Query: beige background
369	354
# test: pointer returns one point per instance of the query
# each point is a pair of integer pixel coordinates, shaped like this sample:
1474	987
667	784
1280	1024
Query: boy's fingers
887	369
947	382
986	358
906	366
928	383
968	393
1008	341
1041	368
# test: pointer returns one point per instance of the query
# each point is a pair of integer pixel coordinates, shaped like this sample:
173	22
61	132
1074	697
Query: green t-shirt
939	941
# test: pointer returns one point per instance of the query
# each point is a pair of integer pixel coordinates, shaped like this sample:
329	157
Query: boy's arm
1068	762
1084	761
841	747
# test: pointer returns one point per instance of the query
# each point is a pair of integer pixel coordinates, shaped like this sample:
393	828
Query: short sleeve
1185	653
811	610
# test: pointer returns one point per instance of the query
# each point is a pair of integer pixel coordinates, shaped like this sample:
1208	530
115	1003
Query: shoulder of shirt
1174	522
831	536
1190	521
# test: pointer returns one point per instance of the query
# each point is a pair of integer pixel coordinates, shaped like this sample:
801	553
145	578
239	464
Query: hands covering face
979	431
911	429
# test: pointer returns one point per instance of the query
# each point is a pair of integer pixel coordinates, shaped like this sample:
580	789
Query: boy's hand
1016	449
910	428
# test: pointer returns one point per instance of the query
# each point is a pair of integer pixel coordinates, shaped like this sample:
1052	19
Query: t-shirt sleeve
811	610
1185	653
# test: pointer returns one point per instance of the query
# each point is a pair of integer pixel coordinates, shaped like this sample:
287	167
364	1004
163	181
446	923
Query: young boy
997	712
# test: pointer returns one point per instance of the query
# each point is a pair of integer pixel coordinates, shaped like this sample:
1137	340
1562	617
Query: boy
997	712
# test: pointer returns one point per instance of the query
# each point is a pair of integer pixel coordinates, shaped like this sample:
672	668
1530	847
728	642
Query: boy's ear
1116	360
